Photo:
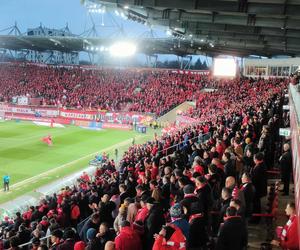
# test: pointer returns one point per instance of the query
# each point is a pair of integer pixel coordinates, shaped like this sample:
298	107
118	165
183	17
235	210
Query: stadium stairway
170	117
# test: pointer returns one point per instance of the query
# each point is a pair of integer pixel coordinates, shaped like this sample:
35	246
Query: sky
57	13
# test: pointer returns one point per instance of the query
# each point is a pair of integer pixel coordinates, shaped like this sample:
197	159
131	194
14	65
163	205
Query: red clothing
75	212
128	239
289	238
199	169
154	172
176	242
142	214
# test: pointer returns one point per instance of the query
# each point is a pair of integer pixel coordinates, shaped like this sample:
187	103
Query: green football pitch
31	163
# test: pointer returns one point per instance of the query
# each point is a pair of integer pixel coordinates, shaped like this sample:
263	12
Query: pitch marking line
44	174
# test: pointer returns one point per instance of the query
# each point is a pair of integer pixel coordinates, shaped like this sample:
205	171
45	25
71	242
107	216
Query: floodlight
126	7
168	32
122	49
224	67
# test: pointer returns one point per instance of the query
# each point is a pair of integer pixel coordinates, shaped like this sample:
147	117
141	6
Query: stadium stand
107	89
197	187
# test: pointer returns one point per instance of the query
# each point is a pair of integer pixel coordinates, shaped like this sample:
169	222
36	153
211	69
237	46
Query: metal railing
201	139
47	238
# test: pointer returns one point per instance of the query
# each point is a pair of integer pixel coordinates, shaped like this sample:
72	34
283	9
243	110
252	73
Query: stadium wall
120	120
294	100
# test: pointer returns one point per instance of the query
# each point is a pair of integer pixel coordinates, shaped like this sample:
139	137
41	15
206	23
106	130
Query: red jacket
142	214
128	239
176	242
75	212
289	238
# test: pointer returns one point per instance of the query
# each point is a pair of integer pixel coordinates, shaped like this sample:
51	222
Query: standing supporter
259	180
93	222
170	237
69	240
56	239
153	222
286	168
249	192
127	239
177	220
233	233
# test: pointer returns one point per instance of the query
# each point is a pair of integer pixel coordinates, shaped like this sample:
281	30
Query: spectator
153	222
56	239
127	239
69	240
288	235
79	245
169	238
259	180
249	192
286	168
177	220
93	222
233	234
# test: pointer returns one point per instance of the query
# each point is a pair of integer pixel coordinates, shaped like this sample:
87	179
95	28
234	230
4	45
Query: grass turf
23	155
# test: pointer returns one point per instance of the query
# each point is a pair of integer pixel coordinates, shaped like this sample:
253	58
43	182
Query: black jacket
232	235
205	195
286	163
249	192
198	236
259	180
153	224
189	201
229	168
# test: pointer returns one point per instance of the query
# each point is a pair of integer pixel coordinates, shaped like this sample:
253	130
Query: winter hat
80	245
175	211
91	233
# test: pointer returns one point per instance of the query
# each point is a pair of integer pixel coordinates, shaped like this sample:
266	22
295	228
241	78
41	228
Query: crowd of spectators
198	195
107	89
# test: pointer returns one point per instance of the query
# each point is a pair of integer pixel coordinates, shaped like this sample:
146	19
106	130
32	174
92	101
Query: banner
80	115
125	118
192	72
22	100
38	111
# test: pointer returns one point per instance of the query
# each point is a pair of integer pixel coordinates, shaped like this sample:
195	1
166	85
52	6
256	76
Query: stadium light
168	32
122	49
224	67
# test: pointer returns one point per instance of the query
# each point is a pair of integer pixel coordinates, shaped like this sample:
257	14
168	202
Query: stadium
150	125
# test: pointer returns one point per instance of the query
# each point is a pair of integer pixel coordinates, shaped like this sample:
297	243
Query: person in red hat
288	235
80	245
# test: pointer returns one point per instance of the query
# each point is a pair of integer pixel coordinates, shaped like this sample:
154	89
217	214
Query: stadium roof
77	44
240	27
